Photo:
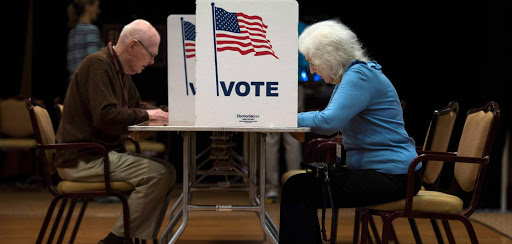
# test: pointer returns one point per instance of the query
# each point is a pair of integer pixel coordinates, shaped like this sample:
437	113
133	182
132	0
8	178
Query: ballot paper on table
181	50
246	63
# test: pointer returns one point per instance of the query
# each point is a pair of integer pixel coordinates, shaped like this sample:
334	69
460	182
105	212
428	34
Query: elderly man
100	103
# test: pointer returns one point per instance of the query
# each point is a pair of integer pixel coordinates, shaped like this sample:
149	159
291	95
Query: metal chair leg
437	231
470	230
357	227
364	227
57	220
393	236
448	231
79	220
386	230
66	221
126	217
357	220
374	230
46	221
392	233
415	231
334	225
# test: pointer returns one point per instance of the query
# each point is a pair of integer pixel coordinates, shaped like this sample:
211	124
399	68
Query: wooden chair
16	139
73	190
437	140
326	152
144	146
59	108
310	147
471	160
311	154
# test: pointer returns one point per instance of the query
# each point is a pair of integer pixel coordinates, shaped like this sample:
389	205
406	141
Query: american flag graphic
189	31
241	33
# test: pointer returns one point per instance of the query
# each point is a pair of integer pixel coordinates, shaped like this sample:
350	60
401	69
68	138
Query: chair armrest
135	143
79	145
439	156
62	146
435	152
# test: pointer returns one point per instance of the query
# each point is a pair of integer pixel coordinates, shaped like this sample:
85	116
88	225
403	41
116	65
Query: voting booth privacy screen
181	35
246	62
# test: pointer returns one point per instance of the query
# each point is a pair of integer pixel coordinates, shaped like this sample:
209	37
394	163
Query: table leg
265	219
175	215
272	226
251	160
256	155
188	148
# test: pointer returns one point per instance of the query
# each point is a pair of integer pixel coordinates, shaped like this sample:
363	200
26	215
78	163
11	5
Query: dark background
433	53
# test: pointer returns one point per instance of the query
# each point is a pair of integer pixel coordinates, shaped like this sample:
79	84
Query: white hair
332	46
137	29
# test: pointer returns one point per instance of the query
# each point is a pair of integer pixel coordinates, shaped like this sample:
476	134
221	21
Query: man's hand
157	114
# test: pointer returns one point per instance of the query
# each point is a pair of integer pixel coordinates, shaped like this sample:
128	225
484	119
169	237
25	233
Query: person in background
365	108
101	102
84	37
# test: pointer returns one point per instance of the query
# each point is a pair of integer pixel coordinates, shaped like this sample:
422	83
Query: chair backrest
43	131
59	108
14	118
310	147
476	141
402	104
326	152
438	138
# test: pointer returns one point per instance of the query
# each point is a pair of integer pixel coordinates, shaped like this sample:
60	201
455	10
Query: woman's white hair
332	46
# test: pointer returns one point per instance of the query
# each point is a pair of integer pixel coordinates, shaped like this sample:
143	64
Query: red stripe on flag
245	52
251	18
222	35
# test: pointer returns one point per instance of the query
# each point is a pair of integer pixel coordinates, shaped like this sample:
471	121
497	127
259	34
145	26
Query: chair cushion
291	173
81	186
426	201
146	146
17	143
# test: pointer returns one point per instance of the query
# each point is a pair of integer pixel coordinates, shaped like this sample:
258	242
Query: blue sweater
366	109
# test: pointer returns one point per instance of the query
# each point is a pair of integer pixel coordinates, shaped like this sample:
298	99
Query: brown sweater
94	108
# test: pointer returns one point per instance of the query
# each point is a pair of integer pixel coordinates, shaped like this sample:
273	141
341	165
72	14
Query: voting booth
234	63
246	63
181	46
232	68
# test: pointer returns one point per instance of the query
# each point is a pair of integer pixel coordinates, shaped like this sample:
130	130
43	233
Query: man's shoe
113	239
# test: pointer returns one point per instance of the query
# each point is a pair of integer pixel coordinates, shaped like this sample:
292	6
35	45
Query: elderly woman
365	108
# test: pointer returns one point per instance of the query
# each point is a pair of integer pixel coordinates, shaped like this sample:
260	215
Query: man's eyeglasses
150	54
